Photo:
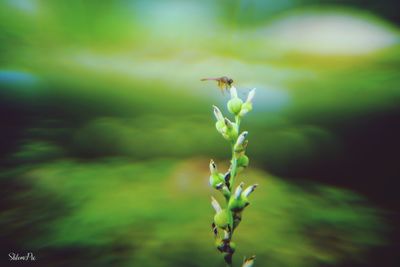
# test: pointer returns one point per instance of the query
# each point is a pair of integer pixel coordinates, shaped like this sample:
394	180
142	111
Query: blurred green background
106	130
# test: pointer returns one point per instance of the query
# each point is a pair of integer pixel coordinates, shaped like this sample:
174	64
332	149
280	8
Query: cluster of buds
228	129
227	219
225	127
236	105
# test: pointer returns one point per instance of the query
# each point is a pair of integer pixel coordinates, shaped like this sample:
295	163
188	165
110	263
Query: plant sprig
227	219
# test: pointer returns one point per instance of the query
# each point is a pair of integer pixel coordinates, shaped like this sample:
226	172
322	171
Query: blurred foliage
156	213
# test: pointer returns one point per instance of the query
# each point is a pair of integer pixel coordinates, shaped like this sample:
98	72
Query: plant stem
234	161
237	121
228	260
228	257
233	169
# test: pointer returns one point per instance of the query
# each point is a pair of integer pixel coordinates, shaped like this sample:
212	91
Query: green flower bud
237	205
218	114
246	107
227	129
231	132
242	137
242	162
248	191
251	95
216	179
239	200
241	144
238	190
223	219
215	205
220	126
213	167
235	105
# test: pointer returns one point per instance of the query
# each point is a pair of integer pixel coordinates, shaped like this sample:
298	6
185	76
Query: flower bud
248	105
251	95
220	126
213	167
239	190
235	105
230	131
224	126
236	203
216	180
240	145
233	92
246	108
249	190
241	140
229	124
223	219
249	262
239	200
215	205
242	162
218	114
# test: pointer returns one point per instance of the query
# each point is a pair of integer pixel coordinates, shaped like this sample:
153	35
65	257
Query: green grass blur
157	213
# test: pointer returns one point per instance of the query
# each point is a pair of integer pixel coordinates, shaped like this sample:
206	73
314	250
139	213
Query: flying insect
224	83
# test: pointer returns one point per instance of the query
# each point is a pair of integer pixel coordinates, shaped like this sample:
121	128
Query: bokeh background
106	130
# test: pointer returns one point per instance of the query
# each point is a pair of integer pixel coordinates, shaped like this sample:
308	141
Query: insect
224	83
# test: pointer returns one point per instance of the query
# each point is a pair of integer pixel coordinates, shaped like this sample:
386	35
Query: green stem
233	169
237	121
234	160
228	258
